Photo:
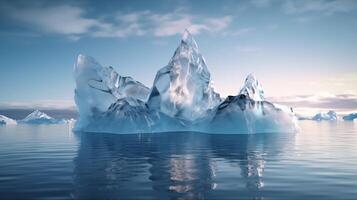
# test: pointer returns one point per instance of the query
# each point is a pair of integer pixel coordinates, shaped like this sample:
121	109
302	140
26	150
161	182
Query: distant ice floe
350	117
329	116
182	98
7	121
38	117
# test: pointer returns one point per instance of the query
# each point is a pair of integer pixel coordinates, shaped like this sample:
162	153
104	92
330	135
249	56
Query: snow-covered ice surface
7	121
182	98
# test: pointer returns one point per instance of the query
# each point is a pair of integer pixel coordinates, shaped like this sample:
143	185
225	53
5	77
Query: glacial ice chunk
7	121
183	89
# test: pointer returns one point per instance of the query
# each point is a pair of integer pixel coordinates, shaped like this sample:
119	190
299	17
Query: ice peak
38	114
183	89
252	88
35	115
251	77
188	39
84	61
81	59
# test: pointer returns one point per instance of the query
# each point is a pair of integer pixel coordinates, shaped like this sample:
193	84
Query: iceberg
7	121
38	117
329	116
182	98
350	117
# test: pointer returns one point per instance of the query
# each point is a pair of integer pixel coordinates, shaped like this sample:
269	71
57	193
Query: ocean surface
52	162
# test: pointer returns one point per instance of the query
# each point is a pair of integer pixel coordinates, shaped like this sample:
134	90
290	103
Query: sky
303	52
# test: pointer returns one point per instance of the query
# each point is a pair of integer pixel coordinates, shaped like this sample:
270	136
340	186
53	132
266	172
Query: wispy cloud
61	19
74	21
261	3
325	7
324	101
249	49
43	104
175	23
239	32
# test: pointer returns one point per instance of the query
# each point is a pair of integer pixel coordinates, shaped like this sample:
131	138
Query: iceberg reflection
171	165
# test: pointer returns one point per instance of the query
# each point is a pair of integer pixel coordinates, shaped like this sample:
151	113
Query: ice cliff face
183	89
98	87
6	120
181	99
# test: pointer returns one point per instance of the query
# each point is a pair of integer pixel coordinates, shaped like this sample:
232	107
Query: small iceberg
329	116
7	121
350	117
38	117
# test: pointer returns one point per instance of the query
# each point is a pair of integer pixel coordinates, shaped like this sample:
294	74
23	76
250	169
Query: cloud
172	24
249	49
43	104
321	101
61	19
240	32
261	3
167	26
304	19
74	22
326	7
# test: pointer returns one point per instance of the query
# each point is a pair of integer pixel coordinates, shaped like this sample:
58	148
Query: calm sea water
51	162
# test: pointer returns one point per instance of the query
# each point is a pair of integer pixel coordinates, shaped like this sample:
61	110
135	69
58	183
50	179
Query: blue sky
303	52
